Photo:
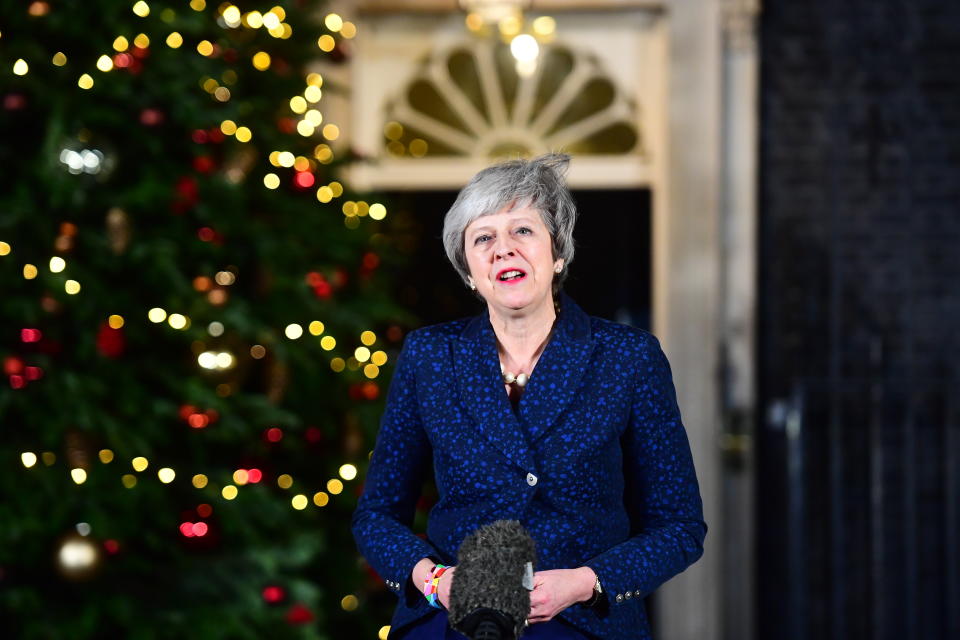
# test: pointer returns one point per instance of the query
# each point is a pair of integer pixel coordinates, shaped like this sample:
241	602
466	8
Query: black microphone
490	593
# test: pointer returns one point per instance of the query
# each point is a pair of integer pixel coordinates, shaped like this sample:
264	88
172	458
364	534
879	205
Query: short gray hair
538	183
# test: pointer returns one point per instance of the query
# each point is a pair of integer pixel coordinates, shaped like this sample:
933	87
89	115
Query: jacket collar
553	383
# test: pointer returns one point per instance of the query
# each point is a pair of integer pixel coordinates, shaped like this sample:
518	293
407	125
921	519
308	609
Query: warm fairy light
174	40
120	44
222	94
378	211
323	153
321	498
285	481
85	81
106	456
243	134
324	194
225	360
157	315
48	457
313	94
509	25
205	48
393	130
337	189
333	22
241	477
348	30
225	278
254	19
474	21
199	481
362	354
142	9
316	328
331	132
105	63
59	59
198	5
302	164
115	321
338	364
371	371
177	321
349	208
207	360
271	181
305	129
28	458
384	632
524	48
271	21
215	329
20	67
72	287
298	104
140	463
315	80
228	127
326	43
166	475
229	492
368	337
231	15
349	603
257	351
314	117
348	471
334	486
327	343
293	331
544	26
129	480
79	475
379	358
299	502
57	264
261	61
286	159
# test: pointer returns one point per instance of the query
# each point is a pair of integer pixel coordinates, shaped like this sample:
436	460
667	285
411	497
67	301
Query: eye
483	237
524	231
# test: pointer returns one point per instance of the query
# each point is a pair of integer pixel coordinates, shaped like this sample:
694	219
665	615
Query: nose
502	249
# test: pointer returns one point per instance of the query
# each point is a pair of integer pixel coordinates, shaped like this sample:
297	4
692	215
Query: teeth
506	275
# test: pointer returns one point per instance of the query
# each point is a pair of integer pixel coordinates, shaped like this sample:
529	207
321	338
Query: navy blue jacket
595	463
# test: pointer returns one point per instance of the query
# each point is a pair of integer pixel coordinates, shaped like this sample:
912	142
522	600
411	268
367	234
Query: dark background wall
859	446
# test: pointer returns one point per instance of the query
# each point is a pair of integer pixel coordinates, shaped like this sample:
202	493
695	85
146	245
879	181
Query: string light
141	8
299	502
20	67
72	287
140	463
59	59
293	331
78	475
348	471
28	458
57	264
106	456
104	63
166	475
326	43
120	44
229	492
333	22
157	315
85	81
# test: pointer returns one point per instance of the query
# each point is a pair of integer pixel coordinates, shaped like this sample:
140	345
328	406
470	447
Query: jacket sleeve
663	497
401	458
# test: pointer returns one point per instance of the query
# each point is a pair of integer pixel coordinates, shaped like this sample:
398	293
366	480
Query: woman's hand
557	589
443	589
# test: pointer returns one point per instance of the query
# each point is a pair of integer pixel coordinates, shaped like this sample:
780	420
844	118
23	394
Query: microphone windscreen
490	572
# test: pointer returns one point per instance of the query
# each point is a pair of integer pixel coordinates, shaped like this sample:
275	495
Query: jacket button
628	595
531	479
619	597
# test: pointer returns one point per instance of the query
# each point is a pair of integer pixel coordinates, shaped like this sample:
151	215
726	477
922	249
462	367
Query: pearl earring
470	284
558	268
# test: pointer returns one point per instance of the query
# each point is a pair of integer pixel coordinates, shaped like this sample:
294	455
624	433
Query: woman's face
510	256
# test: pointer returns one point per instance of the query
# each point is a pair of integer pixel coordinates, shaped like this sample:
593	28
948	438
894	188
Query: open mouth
511	275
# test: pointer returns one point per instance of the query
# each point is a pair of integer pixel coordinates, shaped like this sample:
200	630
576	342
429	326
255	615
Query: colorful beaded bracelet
430	585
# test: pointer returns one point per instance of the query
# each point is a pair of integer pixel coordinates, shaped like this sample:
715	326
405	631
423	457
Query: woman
531	411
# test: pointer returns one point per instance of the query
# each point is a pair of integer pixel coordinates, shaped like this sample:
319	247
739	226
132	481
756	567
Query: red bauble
110	342
299	614
204	164
187	195
151	117
273	594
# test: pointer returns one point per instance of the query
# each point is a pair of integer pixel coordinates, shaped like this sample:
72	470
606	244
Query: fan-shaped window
470	101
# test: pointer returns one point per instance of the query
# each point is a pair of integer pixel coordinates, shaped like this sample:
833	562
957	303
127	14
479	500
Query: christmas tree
197	325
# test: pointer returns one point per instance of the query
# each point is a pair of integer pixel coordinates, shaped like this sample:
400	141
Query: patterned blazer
594	462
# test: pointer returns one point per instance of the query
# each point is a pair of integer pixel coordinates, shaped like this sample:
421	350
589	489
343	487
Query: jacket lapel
559	372
481	390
